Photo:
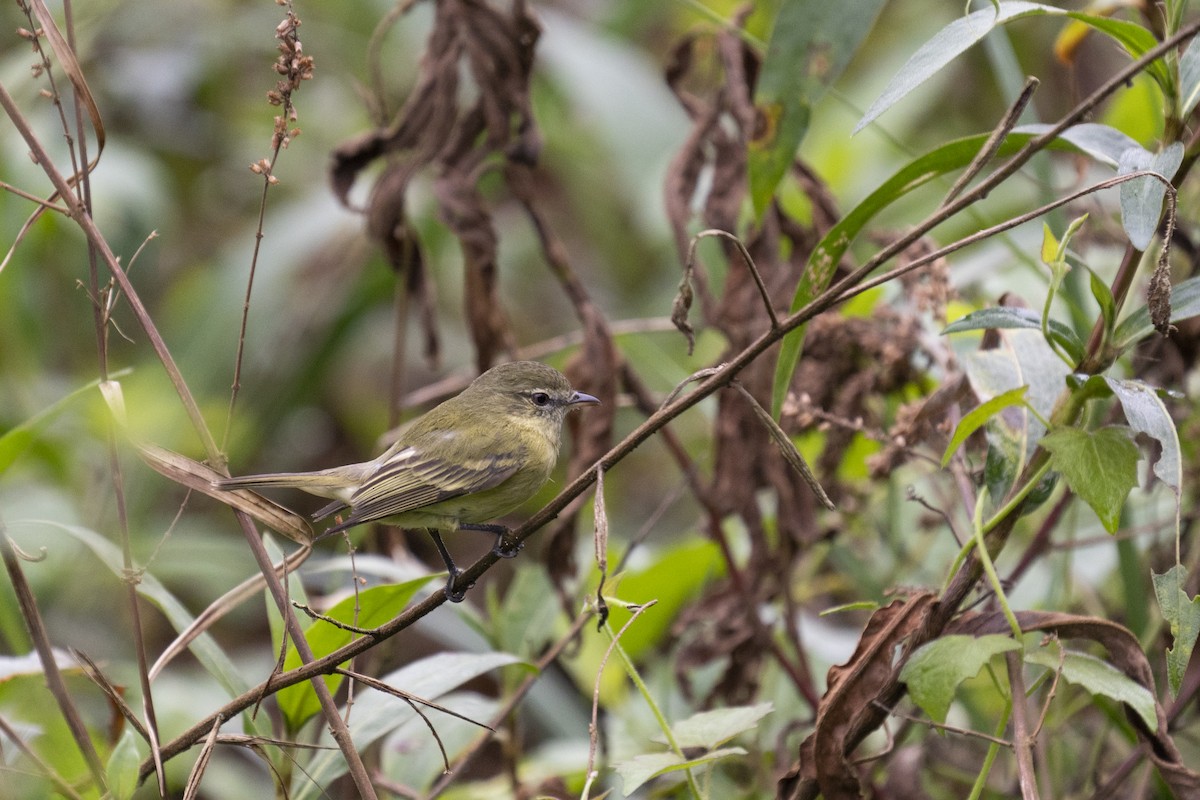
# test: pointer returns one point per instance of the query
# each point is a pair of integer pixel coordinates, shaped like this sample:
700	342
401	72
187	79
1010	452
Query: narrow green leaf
1185	304
1006	317
1189	79
1146	413
946	45
964	32
1104	298
935	670
1100	467
811	43
1136	39
1142	198
824	259
203	647
1182	613
1100	142
711	729
979	416
17	440
1099	677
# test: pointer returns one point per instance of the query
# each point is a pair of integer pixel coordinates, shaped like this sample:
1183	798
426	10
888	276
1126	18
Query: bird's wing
411	478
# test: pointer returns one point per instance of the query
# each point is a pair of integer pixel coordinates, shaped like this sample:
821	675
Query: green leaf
1189	79
1185	304
1100	467
524	623
1136	40
674	579
811	43
955	155
1146	413
979	416
428	678
1098	677
639	769
946	45
1006	317
121	772
711	729
17	440
1182	613
935	670
1103	143
964	32
203	647
1104	298
1142	198
376	606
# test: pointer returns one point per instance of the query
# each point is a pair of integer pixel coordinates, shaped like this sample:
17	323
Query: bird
467	461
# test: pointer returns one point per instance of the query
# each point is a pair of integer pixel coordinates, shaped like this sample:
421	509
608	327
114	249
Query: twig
1022	736
54	679
59	782
988	151
594	725
504	711
784	443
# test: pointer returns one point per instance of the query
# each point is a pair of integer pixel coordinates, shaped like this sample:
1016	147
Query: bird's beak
579	398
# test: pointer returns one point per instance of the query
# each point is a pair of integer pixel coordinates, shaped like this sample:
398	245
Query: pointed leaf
811	43
711	729
824	259
979	416
1100	467
639	769
1182	613
1189	79
1104	298
1099	677
1142	198
1101	142
1001	317
946	45
935	670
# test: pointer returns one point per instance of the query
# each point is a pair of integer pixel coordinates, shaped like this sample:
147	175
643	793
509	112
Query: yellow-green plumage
471	459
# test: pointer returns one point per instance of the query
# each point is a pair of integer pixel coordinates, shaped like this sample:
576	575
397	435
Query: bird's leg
452	594
502	548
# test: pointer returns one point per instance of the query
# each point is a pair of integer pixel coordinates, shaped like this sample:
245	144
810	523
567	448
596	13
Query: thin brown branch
41	644
513	701
750	265
988	151
60	783
1023	737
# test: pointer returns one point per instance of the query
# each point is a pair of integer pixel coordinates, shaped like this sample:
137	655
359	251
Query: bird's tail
338	483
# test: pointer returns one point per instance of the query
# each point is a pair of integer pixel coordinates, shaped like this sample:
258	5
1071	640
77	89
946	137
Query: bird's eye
540	399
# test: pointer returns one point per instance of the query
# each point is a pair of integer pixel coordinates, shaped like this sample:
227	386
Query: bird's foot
506	547
453	593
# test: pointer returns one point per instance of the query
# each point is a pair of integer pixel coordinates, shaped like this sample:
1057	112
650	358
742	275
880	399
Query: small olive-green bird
471	459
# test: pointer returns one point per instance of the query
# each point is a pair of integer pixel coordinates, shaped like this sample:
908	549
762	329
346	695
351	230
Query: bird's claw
454	594
505	548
